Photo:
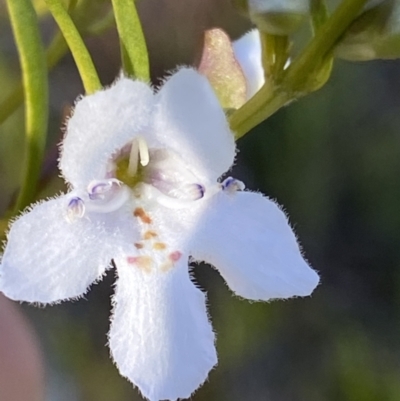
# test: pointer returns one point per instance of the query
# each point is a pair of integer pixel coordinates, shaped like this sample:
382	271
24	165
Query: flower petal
160	336
101	124
49	259
190	121
248	53
247	237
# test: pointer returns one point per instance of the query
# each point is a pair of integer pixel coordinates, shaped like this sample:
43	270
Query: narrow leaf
134	54
34	76
81	55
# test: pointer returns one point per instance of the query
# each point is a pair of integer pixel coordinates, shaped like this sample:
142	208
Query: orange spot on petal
138	245
149	234
172	258
142	215
159	246
142	262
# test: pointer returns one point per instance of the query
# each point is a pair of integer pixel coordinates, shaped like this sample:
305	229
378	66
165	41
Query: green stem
82	58
322	72
135	59
319	14
11	102
56	50
261	105
268	53
323	42
35	84
281	55
99	27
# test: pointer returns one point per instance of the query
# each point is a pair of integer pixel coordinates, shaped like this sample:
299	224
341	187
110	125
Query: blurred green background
332	159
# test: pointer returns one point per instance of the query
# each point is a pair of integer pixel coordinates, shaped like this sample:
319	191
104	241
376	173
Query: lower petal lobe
160	336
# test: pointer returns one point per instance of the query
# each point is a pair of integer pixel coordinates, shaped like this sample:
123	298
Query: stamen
232	185
98	190
139	153
195	191
143	151
133	158
107	195
152	192
75	209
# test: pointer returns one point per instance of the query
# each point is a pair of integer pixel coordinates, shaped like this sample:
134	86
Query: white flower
144	170
248	53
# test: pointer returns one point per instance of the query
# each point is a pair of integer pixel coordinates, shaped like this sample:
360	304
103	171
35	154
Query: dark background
332	159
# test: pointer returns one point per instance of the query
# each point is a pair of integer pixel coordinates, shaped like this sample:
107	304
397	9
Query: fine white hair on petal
49	259
190	121
247	237
247	51
102	124
160	336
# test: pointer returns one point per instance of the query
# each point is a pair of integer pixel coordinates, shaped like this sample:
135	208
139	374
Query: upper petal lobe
102	124
190	121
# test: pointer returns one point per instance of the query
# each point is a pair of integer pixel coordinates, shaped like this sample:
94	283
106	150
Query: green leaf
134	54
306	73
319	16
54	53
34	75
81	55
56	50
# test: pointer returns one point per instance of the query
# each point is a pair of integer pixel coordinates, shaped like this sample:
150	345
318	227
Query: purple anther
201	191
193	192
232	185
97	190
228	182
76	208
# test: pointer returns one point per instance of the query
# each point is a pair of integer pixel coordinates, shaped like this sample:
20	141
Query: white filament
115	201
133	158
139	153
143	151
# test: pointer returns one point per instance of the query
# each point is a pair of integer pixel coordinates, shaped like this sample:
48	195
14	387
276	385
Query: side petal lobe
49	259
247	237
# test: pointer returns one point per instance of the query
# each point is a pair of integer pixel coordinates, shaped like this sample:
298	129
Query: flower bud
220	66
374	34
278	17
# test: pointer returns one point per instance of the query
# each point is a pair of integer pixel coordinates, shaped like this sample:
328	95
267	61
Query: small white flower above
248	53
144	170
